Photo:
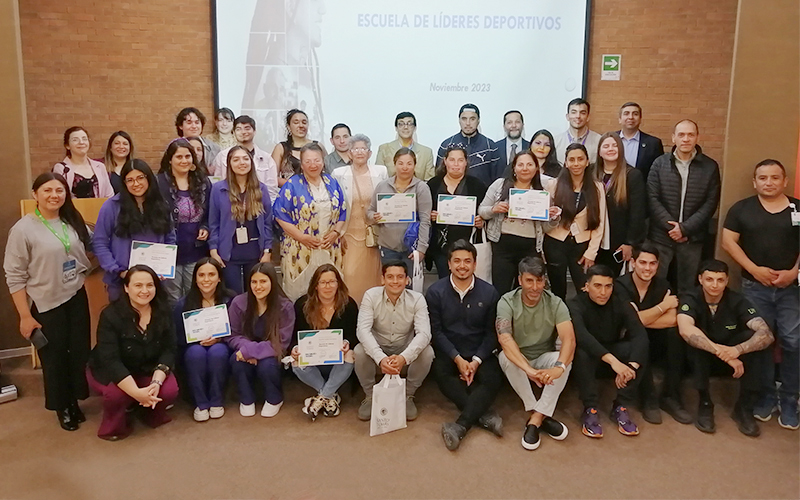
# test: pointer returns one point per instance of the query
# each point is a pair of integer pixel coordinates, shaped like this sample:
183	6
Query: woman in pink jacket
86	178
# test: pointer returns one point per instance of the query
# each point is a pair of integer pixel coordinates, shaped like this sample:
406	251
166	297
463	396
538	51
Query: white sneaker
247	410
200	415
270	410
216	412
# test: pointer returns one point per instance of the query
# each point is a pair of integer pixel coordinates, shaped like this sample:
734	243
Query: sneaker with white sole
270	410
331	408
553	428
200	415
314	405
247	410
216	412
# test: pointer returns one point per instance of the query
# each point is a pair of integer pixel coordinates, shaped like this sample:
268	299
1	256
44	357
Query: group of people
625	219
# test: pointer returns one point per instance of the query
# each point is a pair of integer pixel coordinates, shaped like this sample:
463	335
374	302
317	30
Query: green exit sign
611	67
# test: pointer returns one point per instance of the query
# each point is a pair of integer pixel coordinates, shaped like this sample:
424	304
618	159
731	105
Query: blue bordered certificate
206	323
160	257
456	210
528	204
320	347
397	207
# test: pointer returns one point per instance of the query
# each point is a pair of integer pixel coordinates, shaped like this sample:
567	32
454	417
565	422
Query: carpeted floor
288	457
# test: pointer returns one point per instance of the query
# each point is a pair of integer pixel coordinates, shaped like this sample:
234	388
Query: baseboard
15	353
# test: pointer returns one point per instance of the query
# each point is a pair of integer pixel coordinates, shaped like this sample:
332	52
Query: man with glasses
244	129
484	162
406	125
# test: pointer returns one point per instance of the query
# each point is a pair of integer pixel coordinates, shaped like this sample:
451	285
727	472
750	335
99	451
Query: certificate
206	323
529	204
456	210
320	347
397	207
161	258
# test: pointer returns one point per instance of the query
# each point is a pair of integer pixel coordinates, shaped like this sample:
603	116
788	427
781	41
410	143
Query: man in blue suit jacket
640	149
513	125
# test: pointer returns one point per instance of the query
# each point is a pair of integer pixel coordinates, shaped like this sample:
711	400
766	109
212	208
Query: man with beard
513	142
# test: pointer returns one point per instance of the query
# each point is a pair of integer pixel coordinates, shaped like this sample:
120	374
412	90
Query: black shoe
745	421
531	439
676	410
705	417
492	422
554	429
66	420
650	412
453	433
76	413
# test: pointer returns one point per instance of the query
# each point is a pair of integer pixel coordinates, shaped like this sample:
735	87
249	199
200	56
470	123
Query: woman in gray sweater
45	264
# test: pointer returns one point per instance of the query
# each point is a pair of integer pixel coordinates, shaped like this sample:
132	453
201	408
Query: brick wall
133	65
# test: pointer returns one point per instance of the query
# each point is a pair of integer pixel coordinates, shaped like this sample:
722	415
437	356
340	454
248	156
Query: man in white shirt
244	129
394	335
578	131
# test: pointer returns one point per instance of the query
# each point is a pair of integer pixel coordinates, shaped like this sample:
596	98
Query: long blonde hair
618	185
249	207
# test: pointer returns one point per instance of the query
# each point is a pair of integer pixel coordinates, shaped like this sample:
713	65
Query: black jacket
123	350
650	148
664	193
470	186
627	222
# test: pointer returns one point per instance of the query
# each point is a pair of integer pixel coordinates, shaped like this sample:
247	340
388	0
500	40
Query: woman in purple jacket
240	220
262	322
139	213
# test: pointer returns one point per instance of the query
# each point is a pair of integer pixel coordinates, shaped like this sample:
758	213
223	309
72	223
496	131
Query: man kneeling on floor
394	335
462	309
717	321
607	329
529	319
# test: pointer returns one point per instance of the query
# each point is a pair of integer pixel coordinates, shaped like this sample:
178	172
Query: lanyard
65	239
578	201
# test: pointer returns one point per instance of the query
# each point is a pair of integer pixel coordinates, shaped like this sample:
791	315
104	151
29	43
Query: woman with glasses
138	213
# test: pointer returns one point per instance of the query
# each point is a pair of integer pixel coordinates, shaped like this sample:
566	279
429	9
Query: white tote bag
418	273
483	269
388	405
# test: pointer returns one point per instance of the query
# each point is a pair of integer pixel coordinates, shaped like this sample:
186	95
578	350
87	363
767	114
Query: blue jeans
207	373
268	371
389	255
779	308
326	380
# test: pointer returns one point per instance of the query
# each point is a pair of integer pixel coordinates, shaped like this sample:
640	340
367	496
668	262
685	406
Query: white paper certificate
397	207
529	204
320	347
206	323
456	210
161	258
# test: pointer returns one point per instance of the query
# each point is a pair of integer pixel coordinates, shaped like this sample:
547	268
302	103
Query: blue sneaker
788	418
765	407
625	425
591	423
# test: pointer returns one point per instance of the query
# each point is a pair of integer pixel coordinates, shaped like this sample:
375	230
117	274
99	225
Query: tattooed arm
762	337
695	336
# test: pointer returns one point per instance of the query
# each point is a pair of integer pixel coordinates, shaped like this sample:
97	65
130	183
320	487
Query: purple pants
268	371
207	373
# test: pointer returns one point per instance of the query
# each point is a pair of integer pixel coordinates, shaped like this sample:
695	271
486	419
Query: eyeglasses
406	124
359	150
328	283
135	180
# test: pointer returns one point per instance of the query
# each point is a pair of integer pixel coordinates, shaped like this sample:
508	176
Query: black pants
506	255
667	348
563	255
584	369
749	382
474	400
606	258
68	332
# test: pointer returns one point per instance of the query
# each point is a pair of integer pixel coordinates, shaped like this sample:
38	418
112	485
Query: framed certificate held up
456	210
206	323
320	347
397	207
160	257
528	204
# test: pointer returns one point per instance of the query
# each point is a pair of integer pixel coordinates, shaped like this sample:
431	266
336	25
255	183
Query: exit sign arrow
611	65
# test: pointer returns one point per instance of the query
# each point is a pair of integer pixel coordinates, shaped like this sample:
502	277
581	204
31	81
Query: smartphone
618	256
38	339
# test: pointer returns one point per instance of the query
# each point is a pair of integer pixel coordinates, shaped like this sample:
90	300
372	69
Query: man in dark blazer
513	142
641	149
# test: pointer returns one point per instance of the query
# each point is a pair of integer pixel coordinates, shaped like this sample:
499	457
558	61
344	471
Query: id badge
241	235
574	229
796	218
69	271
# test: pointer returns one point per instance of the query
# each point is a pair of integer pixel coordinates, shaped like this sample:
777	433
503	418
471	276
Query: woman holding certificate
327	306
311	211
134	356
186	189
361	262
405	224
138	213
462	193
262	322
514	237
240	220
45	264
626	199
206	361
573	243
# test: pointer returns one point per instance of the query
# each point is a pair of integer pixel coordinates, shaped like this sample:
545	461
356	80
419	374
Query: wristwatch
559	364
164	368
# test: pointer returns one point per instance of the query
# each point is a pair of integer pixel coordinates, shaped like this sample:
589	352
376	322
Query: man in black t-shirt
717	321
650	295
762	234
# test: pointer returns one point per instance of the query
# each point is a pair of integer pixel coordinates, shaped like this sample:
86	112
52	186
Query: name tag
241	235
796	218
69	271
